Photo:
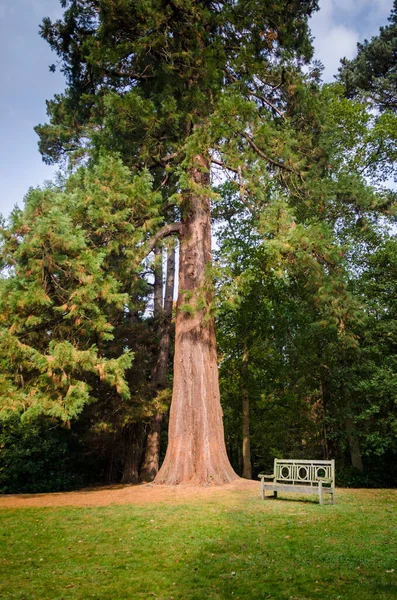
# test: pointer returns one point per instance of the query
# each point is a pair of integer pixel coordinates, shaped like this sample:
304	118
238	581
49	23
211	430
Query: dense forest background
303	217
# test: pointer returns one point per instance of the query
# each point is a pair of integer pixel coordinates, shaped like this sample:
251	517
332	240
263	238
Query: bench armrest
324	480
263	476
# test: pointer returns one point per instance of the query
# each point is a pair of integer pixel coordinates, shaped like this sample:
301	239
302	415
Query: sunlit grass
228	546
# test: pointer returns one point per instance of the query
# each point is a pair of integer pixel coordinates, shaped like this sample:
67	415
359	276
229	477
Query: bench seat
302	477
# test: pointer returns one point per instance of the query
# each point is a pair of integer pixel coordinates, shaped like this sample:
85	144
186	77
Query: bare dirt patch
132	494
240	490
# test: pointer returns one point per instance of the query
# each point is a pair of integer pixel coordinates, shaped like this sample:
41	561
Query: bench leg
262	489
274	494
320	492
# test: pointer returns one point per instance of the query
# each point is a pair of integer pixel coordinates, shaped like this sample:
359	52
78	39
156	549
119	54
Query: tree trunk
247	466
354	445
110	470
150	466
152	454
240	459
196	450
158	284
325	401
133	439
165	323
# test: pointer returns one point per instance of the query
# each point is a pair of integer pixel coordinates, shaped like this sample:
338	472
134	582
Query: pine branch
127	75
39	327
223	165
266	101
264	156
256	94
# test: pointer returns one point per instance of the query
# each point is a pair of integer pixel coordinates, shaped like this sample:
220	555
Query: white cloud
340	24
354	7
351	6
377	14
336	43
332	40
322	16
46	8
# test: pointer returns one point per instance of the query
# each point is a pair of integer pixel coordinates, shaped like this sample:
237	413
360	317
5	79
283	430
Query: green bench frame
301	476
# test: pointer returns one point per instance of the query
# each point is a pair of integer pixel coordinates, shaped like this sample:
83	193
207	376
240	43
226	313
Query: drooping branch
129	74
219	163
166	231
264	156
126	75
267	102
240	181
40	326
260	97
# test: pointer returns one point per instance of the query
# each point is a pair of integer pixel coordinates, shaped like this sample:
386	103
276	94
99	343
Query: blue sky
27	82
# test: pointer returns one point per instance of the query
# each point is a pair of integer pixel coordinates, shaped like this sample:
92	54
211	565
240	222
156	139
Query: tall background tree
290	286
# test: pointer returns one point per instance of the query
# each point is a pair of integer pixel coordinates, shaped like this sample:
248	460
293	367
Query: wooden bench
301	476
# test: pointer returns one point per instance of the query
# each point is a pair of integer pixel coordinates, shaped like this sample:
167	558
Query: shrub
40	456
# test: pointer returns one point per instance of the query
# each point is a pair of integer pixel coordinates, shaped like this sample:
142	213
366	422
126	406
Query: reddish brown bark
196	450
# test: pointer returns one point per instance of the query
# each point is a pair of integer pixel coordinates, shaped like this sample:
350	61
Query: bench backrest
304	471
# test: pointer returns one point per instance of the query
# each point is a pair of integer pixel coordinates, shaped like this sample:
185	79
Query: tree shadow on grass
279	557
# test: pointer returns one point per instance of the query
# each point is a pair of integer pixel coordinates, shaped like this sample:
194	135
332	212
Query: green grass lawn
232	546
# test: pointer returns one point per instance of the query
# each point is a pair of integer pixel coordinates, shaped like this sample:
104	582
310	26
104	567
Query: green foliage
289	296
175	56
319	339
360	140
380	472
291	273
374	378
69	281
40	456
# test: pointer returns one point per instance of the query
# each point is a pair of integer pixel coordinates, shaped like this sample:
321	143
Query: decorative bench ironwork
302	476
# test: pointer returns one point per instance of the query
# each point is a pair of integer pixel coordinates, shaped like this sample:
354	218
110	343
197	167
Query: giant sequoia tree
177	86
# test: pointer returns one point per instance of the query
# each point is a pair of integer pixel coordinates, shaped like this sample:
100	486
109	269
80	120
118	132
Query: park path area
130	494
150	493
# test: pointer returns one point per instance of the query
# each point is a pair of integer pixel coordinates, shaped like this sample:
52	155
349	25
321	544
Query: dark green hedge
40	456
